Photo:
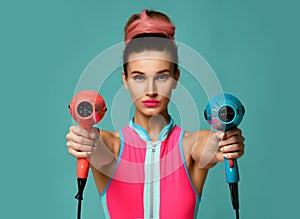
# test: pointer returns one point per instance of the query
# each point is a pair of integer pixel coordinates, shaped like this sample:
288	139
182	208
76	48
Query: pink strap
148	25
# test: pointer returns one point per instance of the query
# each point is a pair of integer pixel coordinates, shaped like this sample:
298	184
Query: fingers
80	131
232	148
79	139
234	155
80	147
80	151
81	143
232	132
232	145
79	154
232	140
233	151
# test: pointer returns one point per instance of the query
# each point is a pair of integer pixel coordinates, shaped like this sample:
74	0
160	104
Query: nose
151	88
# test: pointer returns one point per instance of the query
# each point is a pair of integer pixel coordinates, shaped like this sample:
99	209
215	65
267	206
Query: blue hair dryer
224	112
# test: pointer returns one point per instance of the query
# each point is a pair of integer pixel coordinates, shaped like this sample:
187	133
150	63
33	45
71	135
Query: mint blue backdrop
253	47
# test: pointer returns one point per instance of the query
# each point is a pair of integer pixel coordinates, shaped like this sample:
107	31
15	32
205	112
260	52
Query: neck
152	124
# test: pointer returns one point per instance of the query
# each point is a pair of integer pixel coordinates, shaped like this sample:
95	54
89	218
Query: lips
151	103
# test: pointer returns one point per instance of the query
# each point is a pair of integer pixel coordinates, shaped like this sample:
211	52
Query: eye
162	77
139	77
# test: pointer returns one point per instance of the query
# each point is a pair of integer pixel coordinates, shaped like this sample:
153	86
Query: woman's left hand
219	145
232	144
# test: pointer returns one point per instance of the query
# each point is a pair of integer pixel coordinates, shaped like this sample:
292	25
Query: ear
176	77
124	80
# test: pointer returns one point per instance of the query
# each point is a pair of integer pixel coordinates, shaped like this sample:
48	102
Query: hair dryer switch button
231	163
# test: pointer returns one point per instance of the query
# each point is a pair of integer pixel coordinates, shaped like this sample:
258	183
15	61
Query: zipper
152	179
152	172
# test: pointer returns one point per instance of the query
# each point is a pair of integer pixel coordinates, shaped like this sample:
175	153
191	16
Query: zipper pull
154	147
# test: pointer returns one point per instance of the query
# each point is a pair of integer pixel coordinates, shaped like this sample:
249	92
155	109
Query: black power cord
81	184
79	209
234	191
237	216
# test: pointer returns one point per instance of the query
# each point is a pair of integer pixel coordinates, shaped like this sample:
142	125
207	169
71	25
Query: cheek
164	89
136	90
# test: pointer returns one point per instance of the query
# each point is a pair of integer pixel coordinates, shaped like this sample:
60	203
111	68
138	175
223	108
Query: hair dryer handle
231	170
83	164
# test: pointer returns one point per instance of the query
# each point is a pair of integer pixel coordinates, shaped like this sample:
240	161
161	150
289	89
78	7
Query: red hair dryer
87	108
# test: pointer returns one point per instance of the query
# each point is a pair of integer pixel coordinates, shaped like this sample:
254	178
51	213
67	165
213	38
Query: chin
151	111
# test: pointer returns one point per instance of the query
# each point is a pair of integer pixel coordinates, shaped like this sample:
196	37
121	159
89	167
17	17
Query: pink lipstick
151	103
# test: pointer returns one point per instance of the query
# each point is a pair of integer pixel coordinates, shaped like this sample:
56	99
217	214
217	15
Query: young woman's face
150	81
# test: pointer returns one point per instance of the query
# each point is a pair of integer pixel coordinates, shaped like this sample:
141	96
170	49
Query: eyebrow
159	72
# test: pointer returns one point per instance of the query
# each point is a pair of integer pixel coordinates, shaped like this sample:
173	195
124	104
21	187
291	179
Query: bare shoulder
111	140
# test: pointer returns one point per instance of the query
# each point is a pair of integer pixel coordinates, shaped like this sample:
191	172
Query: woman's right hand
81	143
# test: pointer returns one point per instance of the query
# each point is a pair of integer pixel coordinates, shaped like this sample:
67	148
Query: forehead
149	59
150	54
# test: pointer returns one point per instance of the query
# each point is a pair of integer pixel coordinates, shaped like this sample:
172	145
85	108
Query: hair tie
149	25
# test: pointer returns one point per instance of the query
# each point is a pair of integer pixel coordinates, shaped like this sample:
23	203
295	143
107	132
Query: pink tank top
151	179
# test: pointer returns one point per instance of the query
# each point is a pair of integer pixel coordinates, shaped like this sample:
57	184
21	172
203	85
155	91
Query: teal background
253	47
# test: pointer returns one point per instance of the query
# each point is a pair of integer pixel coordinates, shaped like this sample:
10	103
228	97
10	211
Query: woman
152	168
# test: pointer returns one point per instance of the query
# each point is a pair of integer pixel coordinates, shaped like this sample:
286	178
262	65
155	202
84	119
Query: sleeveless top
151	179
